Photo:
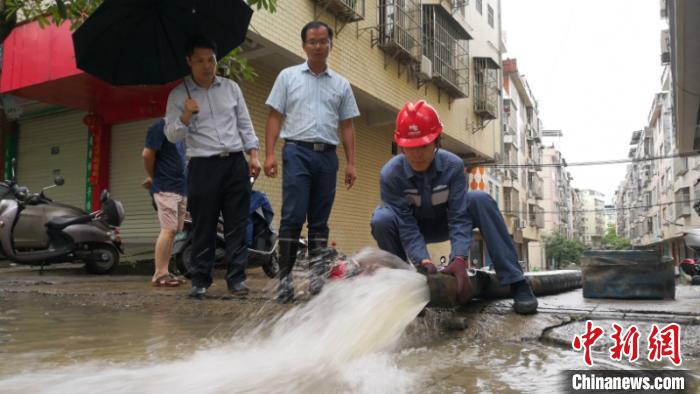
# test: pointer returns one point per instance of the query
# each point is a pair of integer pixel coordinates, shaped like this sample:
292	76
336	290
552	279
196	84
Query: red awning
39	64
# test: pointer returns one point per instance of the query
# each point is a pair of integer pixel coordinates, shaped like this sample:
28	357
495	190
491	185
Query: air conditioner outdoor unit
426	68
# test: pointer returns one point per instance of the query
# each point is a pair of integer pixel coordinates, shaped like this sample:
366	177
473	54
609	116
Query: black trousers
218	184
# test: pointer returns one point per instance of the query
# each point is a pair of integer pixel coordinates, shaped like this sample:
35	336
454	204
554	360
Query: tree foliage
562	250
76	11
612	241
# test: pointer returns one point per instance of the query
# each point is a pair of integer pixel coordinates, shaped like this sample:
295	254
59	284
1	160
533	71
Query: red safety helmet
417	125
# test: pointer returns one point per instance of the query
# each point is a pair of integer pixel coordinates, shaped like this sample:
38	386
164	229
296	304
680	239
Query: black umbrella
143	42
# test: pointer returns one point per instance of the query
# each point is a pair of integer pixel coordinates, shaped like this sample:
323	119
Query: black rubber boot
318	267
288	246
524	301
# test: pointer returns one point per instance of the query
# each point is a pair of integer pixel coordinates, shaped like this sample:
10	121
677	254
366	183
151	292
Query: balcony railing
445	44
400	29
680	165
346	10
486	87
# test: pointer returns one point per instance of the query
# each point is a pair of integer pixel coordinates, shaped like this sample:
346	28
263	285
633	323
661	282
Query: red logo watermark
662	343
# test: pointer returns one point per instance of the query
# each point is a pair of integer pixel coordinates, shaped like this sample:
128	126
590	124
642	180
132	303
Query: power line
587	163
605	210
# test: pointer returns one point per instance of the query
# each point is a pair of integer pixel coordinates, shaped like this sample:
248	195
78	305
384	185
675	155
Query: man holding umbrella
209	112
150	42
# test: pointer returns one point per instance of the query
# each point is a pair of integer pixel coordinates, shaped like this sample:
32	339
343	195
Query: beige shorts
172	208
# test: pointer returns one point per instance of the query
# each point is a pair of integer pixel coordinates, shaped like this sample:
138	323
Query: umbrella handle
187	89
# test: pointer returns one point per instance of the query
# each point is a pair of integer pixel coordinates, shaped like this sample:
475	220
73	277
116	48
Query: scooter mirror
58	180
104	196
14	169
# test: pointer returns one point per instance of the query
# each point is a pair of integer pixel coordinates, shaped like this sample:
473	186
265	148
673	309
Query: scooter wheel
183	260
105	260
272	267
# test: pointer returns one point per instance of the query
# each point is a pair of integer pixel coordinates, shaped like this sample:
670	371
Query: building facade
522	181
557	202
593	215
655	199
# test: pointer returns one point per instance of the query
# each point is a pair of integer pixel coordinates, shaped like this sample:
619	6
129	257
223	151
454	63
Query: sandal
180	279
166	281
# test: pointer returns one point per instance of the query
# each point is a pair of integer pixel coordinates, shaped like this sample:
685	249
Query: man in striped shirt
308	103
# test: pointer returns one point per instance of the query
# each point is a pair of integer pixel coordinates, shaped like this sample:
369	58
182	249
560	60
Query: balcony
683	202
535	186
345	10
680	166
511	201
538	188
536	216
486	87
445	45
400	29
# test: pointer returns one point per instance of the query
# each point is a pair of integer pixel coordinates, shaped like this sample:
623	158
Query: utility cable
604	210
586	163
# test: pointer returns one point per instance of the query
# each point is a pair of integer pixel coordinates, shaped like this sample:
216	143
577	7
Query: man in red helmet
425	200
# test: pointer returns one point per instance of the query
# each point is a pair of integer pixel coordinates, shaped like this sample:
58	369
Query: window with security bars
445	44
486	87
400	29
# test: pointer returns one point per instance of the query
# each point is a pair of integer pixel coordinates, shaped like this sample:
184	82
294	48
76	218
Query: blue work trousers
485	216
308	189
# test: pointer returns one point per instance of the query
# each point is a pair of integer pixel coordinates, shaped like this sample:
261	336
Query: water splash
340	341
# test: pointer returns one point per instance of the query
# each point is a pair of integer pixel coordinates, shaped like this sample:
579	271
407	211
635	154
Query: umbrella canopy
143	42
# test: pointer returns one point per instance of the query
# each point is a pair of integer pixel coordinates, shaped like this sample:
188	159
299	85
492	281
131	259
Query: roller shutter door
126	175
52	145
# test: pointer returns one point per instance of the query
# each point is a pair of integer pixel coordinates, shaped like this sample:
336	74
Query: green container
627	274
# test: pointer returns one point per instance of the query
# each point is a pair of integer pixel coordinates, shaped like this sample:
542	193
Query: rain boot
524	300
288	246
318	244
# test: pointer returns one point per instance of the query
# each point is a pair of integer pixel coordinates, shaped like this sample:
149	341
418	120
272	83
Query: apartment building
655	200
593	214
557	201
522	183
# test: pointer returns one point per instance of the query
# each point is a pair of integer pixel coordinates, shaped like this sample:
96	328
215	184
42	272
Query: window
490	15
479	7
683	202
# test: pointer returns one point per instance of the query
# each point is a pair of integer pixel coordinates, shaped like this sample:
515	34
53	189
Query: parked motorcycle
690	268
35	230
261	240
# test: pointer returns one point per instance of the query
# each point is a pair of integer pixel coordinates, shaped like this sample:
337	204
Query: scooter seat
61	222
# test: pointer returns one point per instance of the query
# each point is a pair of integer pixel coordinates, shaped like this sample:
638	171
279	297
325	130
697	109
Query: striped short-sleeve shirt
313	105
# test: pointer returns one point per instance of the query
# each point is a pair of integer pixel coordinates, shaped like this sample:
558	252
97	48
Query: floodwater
359	336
